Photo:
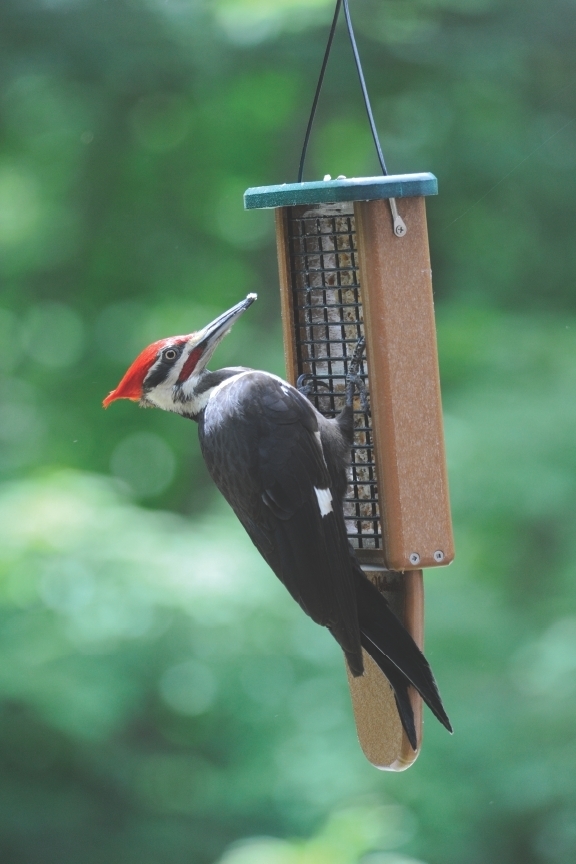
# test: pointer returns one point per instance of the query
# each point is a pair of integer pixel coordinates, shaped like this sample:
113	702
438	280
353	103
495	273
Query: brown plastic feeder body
344	273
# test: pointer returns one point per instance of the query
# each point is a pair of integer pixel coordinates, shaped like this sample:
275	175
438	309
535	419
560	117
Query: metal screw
415	558
398	225
438	555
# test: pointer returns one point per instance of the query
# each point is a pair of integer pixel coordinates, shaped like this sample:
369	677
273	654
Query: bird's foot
304	384
354	381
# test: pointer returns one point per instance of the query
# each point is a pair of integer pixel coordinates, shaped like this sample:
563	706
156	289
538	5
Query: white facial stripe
285	387
190	404
174	371
324	497
196	403
229	381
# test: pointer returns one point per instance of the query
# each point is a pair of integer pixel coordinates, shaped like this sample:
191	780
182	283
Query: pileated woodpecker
282	466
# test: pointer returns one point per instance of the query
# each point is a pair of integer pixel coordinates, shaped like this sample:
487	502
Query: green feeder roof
334	191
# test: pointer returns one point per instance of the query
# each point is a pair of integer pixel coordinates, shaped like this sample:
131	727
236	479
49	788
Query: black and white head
170	373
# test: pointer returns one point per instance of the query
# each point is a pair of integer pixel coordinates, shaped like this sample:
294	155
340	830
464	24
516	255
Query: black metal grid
328	319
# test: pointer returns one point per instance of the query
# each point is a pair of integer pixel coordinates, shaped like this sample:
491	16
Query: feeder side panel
405	385
378	725
414	623
286	304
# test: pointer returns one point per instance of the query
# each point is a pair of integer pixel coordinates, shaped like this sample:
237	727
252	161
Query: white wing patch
324	497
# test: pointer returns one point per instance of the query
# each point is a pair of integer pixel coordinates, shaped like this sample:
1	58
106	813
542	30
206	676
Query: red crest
130	387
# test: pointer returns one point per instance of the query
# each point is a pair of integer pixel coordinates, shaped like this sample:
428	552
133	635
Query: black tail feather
393	649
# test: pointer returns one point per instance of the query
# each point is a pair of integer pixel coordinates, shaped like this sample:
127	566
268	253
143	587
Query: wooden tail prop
353	263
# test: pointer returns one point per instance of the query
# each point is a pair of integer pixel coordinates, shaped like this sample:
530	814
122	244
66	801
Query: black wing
261	444
260	440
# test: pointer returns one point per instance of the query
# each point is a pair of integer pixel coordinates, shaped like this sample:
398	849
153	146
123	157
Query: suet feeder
355	263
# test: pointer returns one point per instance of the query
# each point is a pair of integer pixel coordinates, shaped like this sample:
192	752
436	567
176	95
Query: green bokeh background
162	699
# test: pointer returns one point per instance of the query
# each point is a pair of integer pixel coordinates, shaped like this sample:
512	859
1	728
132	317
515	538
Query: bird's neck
194	405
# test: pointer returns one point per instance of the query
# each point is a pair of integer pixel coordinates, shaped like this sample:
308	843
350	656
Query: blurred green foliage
162	699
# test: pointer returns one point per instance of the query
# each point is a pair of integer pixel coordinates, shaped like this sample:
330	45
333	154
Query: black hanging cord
373	129
318	89
364	88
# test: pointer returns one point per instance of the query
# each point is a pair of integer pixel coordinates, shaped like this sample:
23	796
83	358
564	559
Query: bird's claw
354	381
304	384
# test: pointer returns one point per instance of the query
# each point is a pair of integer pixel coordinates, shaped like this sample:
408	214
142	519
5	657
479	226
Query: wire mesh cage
328	316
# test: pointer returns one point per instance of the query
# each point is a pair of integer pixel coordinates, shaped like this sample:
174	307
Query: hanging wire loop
318	89
339	4
399	226
364	88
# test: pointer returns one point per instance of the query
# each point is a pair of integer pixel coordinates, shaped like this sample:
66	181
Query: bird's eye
170	354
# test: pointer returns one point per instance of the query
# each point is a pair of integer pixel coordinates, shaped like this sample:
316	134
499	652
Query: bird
282	467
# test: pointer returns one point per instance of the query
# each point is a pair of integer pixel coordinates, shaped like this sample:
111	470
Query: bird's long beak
207	339
217	329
